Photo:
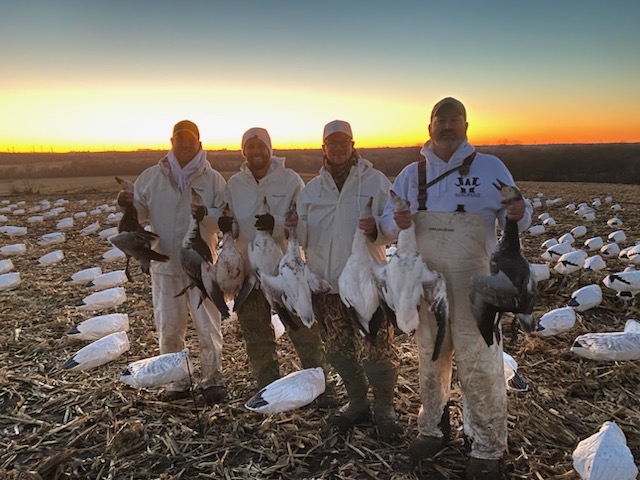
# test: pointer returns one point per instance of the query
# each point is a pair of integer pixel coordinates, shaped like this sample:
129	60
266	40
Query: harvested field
56	424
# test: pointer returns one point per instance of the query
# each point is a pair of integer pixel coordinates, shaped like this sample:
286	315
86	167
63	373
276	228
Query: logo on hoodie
467	186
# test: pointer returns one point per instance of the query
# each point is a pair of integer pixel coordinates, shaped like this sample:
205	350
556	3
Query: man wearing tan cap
264	177
163	197
455	226
329	209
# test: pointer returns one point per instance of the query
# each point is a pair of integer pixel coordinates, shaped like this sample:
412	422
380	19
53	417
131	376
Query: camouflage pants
255	321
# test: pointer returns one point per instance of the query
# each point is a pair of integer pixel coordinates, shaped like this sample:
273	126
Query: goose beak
500	184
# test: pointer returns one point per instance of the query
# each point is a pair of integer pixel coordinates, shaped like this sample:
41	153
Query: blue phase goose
357	285
292	289
197	262
405	279
133	239
511	287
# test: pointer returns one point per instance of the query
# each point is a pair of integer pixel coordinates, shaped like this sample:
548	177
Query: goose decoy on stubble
357	286
511	287
133	239
405	279
197	262
293	288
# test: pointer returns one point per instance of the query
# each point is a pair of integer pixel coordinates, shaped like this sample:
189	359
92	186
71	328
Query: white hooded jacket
244	195
328	218
159	200
474	191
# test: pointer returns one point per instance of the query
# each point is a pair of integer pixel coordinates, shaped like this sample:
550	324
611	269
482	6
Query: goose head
399	204
509	193
126	185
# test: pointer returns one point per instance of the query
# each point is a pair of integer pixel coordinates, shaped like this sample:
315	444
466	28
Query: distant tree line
608	163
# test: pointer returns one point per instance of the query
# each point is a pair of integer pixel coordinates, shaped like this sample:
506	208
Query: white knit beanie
259	133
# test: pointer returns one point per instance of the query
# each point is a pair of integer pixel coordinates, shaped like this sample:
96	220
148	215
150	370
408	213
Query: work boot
174	395
480	469
214	394
328	399
424	446
382	378
355	413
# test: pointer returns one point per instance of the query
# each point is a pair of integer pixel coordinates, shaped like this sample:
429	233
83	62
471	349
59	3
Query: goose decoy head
509	193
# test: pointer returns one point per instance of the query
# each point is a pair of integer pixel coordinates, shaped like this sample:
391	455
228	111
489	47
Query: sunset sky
116	75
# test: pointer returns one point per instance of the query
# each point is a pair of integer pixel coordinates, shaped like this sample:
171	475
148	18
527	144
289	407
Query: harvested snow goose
556	321
605	456
357	285
159	370
196	260
511	287
97	327
133	239
287	393
99	352
406	279
294	286
103	299
585	298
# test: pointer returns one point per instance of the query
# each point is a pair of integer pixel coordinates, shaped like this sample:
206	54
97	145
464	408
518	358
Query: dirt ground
56	424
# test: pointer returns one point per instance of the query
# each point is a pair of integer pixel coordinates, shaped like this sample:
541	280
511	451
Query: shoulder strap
422	177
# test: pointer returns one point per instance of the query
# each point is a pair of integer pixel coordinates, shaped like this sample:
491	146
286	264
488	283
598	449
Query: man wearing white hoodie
264	177
329	213
163	197
455	223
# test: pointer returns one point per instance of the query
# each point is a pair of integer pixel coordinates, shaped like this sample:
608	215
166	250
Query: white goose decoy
6	266
543	216
548	243
614	222
12	231
84	276
197	262
103	299
51	258
97	327
133	239
292	289
595	263
612	346
102	351
512	379
9	281
623	281
605	456
35	219
89	229
594	243
552	254
585	298
536	230
230	266
13	250
589	217
511	287
65	224
617	236
108	280
549	222
570	207
406	279
556	321
540	271
571	262
159	370
53	238
290	392
115	217
80	215
113	255
610	250
567	238
357	286
608	199
616	207
597	203
579	231
108	232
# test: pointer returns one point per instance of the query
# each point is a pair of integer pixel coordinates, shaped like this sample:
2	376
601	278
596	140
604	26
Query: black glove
122	201
225	222
201	211
264	222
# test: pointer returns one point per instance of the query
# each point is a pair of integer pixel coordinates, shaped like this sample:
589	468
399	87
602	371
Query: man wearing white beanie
264	176
329	208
